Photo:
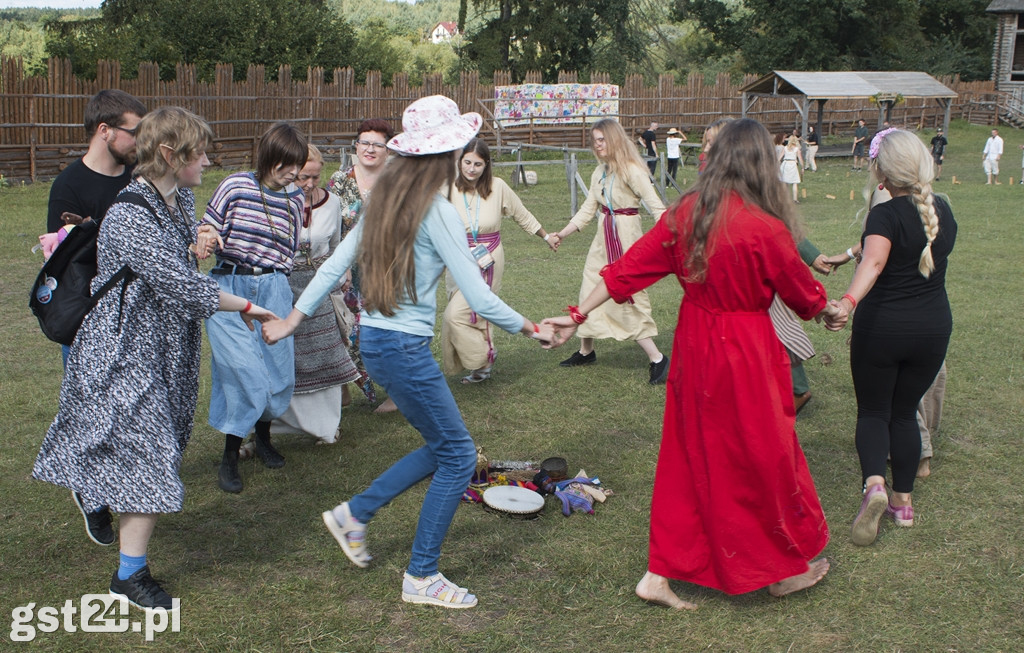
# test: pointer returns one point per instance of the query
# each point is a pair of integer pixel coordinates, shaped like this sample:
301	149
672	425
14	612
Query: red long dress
734	506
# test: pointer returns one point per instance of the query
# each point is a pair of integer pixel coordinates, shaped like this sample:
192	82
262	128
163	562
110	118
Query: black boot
270	456
227	476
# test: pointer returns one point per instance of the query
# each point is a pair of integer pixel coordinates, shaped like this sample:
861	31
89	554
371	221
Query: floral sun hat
433	125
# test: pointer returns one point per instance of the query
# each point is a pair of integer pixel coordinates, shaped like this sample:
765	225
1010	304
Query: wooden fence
41	130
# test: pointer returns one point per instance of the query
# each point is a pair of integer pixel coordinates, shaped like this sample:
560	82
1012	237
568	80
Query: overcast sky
62	4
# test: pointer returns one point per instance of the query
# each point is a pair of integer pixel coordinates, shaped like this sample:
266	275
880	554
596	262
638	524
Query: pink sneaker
902	515
865	525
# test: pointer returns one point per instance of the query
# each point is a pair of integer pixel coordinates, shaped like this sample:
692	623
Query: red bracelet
853	302
574	313
248	306
536	329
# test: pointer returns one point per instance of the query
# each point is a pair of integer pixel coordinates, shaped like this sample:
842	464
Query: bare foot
387	407
654	589
924	468
816	570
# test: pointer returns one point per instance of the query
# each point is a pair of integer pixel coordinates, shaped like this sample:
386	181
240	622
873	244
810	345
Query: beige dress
465	344
610	320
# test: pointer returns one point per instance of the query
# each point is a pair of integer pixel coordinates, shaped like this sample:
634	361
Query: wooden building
1008	49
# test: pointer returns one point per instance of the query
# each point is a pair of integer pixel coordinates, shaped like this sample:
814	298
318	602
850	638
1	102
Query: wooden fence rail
41	129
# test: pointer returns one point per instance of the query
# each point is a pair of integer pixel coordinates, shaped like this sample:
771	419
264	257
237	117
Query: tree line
620	37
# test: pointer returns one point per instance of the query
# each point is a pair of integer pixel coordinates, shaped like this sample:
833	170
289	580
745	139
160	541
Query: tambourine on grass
513	501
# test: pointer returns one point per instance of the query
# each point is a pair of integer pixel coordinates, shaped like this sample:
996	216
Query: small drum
513	501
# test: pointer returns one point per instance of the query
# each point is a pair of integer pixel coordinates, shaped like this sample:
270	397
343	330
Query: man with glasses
88	186
86	189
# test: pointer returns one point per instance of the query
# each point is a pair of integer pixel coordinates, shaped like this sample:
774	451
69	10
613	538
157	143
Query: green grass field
258	571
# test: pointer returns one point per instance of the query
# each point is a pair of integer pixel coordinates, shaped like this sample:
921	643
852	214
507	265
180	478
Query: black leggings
890	375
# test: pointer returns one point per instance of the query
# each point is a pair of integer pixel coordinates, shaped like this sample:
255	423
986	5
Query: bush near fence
41	130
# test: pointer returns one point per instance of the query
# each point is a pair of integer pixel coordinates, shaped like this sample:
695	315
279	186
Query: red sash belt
491	241
612	244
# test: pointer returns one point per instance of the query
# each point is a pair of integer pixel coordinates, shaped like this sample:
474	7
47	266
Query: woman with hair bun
903	324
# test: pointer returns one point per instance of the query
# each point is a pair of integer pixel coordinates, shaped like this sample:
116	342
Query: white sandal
476	376
354	549
436	590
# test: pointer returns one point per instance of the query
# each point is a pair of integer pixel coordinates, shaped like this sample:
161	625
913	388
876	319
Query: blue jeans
251	381
403	364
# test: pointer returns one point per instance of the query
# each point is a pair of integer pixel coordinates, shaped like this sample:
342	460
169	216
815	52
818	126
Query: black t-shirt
812	138
902	301
79	189
649	138
939	145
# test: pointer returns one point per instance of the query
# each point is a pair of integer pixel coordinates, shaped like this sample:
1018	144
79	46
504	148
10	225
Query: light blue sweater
440	243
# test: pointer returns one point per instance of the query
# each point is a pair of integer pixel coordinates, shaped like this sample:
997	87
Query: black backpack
60	297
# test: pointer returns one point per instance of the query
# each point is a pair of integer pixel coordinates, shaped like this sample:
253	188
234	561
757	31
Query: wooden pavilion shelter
883	88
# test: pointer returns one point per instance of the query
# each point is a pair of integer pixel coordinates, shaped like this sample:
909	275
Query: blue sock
130	565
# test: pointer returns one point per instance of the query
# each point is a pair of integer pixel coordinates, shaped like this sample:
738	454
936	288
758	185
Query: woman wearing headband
902	325
409	235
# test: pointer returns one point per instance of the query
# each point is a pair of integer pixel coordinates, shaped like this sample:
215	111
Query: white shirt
672	147
993	147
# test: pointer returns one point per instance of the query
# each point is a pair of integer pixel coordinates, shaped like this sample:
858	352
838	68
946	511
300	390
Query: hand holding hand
207	241
276	330
563	328
257	314
554	240
836	315
545	334
821	264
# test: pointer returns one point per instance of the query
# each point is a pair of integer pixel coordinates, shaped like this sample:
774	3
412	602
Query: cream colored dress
465	345
610	320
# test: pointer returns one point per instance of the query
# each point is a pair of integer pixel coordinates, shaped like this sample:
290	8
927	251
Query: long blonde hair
620	153
905	162
386	253
741	160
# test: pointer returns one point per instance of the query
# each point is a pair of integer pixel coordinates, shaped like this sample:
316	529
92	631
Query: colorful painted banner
549	104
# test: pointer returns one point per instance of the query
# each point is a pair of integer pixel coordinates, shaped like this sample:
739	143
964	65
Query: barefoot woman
734	506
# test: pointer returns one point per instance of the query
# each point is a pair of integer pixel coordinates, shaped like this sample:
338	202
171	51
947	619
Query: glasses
130	132
375	146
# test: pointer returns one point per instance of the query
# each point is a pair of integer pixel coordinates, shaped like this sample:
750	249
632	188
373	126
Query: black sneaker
266	452
579	359
659	371
141	591
97	524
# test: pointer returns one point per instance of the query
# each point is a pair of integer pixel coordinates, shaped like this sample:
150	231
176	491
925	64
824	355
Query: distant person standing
672	152
990	157
812	141
860	139
939	144
649	139
1021	168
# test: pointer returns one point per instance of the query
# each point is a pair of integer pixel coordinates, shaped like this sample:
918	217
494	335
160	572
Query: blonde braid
924	201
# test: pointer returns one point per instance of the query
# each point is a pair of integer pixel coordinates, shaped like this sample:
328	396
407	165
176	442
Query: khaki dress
466	338
610	320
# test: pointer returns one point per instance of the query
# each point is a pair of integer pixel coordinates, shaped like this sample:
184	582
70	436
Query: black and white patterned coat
128	398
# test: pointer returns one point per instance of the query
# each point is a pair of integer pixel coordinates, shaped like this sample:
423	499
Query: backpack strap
126	197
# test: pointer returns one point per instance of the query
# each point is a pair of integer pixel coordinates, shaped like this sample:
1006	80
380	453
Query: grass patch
258	571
